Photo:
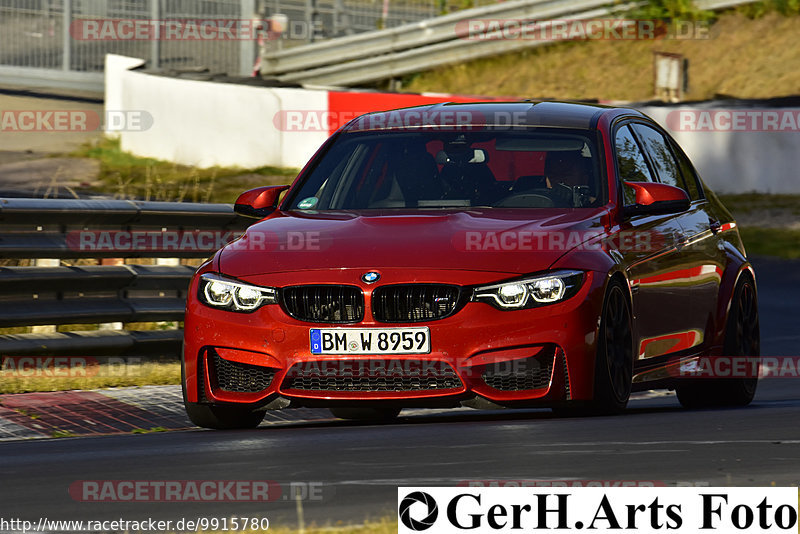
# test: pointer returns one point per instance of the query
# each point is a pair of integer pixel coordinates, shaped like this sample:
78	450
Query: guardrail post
45	328
66	38
312	18
341	19
116	325
155	44
247	47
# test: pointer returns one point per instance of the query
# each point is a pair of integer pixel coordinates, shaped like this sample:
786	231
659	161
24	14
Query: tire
742	338
222	417
217	417
366	414
613	373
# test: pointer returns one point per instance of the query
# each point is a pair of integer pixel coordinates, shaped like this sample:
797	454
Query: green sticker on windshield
307	203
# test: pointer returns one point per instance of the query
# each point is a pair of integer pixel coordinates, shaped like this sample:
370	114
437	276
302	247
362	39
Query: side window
660	155
689	176
631	162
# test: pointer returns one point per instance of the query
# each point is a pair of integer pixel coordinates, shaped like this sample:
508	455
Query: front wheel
614	361
222	417
742	340
217	417
613	373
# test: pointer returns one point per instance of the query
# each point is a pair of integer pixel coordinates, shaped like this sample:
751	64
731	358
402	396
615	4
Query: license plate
370	340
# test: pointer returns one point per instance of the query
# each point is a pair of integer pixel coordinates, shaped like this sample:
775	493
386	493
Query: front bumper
538	356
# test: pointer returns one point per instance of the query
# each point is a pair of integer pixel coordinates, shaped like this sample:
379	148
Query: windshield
545	168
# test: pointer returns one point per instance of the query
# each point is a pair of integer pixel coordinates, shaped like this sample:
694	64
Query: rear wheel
742	339
217	417
614	361
366	414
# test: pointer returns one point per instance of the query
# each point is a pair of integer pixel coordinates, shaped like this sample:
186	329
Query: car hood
492	240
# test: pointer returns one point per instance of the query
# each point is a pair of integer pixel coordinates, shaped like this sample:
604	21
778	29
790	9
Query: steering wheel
533	198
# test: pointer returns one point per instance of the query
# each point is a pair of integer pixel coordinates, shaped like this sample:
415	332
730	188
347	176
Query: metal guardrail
36	228
455	50
433	43
415	35
90	294
713	5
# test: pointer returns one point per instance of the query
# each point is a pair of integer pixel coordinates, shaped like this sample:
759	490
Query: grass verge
25	380
623	69
779	242
769	224
746	203
127	176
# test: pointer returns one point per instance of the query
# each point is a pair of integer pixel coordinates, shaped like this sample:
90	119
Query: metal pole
66	43
46	262
312	16
341	19
384	13
155	44
247	47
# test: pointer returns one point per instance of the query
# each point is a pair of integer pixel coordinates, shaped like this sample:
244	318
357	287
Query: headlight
530	292
219	292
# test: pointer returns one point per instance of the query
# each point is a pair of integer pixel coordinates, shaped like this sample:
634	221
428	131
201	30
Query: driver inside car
568	176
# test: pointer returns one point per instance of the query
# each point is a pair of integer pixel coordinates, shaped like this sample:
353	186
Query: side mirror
656	199
259	202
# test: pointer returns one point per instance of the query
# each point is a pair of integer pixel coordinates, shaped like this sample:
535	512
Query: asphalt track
359	467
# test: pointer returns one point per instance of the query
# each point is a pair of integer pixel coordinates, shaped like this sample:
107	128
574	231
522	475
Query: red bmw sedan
523	254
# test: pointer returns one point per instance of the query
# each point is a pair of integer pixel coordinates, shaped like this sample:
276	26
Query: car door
649	248
696	283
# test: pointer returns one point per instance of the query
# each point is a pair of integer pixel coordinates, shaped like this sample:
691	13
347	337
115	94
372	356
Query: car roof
523	114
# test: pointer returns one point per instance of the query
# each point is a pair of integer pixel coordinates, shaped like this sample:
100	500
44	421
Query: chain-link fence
46	34
31	33
336	18
47	39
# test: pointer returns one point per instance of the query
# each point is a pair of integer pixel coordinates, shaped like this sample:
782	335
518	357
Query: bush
760	9
670	10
